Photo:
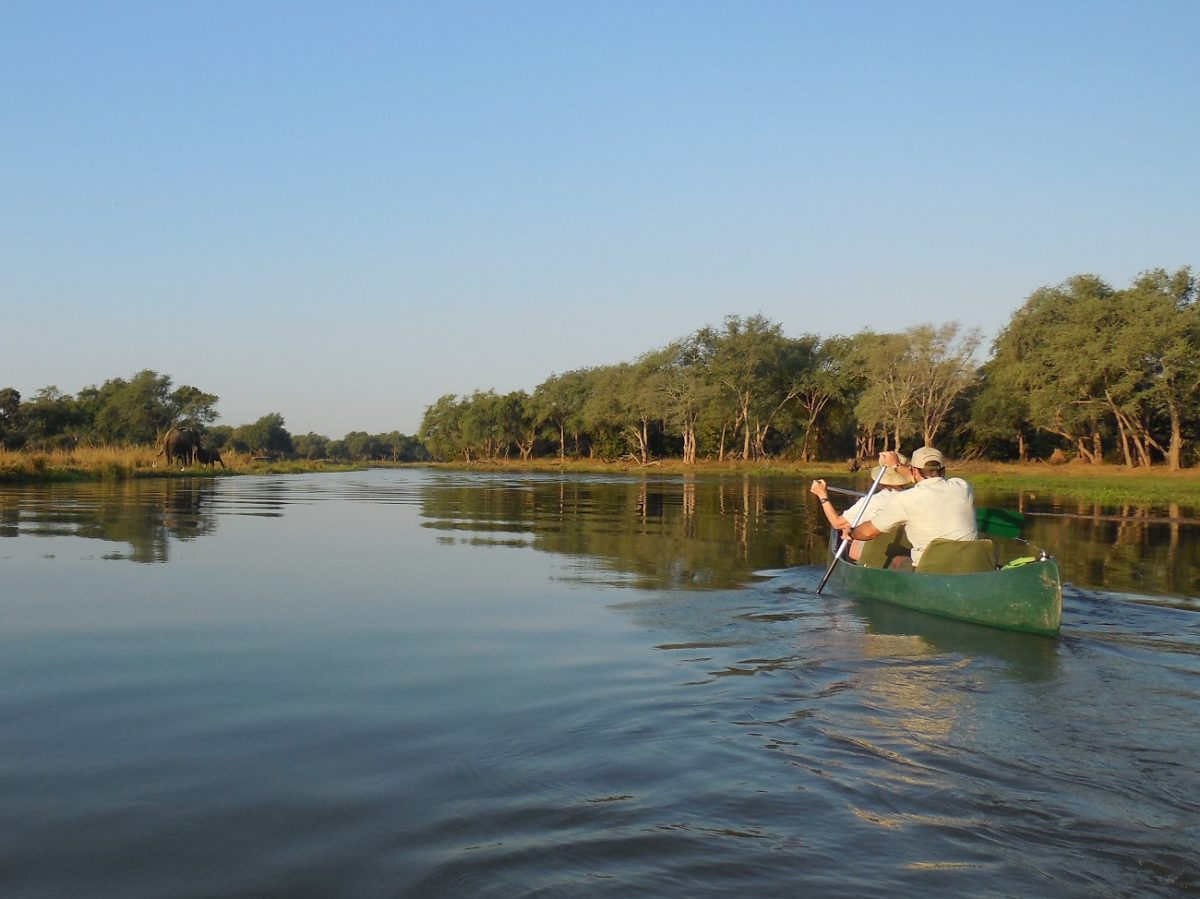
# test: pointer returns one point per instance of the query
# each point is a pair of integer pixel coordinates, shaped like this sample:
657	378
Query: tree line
1082	369
141	409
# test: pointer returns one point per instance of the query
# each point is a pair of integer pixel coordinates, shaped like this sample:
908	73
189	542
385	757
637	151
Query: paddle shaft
857	518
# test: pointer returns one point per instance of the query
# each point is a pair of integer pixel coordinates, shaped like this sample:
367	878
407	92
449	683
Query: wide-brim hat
891	477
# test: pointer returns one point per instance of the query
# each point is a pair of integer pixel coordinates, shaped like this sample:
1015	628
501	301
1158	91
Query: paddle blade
999	522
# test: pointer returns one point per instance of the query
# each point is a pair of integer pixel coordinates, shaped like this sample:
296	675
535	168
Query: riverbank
1086	483
1102	484
123	463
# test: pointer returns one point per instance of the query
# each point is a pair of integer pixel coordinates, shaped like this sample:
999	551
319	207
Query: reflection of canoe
1026	598
1029	658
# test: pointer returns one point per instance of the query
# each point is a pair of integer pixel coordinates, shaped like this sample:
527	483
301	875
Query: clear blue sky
339	212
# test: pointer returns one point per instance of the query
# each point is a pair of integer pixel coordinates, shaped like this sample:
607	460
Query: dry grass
117	463
86	463
79	464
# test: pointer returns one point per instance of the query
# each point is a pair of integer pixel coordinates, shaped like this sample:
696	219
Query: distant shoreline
1102	483
1087	483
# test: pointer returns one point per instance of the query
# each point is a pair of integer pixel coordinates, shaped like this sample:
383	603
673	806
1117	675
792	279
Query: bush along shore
1092	483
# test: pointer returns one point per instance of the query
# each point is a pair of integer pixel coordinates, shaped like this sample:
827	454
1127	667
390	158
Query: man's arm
865	531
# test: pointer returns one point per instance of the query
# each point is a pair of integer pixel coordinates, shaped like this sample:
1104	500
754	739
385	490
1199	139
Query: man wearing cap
890	481
936	507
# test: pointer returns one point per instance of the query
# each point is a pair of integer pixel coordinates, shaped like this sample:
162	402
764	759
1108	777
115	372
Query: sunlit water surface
407	683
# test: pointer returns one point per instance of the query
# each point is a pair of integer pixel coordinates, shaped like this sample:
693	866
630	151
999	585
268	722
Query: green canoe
1026	598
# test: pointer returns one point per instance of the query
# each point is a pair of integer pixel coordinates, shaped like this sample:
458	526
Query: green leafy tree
825	380
1162	344
944	368
1052	351
407	448
311	445
482	429
744	358
606	417
999	411
516	422
558	402
267	435
135	411
361	445
192	407
141	409
401	447
51	419
442	428
218	436
641	398
11	433
686	392
886	405
788	380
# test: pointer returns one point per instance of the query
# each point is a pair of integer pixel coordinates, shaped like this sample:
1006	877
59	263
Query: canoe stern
1027	598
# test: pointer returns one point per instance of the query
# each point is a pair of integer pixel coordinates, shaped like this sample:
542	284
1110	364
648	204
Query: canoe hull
1026	599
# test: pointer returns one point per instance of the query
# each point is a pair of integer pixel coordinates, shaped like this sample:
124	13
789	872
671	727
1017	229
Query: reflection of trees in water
142	514
10	516
1123	546
711	532
687	532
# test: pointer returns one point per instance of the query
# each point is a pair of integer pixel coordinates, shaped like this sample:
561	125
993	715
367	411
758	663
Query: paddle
997	522
857	518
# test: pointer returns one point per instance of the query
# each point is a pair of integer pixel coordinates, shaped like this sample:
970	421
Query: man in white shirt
935	507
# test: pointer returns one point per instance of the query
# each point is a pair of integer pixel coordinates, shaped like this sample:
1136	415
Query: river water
419	683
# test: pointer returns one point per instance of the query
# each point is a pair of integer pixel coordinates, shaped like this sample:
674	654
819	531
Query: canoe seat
957	557
880	552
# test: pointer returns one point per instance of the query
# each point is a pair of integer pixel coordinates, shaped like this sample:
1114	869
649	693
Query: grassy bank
1106	484
114	463
1101	484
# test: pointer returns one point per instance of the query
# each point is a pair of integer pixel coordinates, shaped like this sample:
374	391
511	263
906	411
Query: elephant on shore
181	444
206	456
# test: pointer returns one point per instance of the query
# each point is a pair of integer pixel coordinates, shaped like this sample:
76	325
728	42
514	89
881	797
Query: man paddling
935	507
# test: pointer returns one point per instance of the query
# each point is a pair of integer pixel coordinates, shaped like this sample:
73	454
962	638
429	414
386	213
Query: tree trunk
1085	454
689	445
1123	436
804	443
526	447
643	439
760	439
1174	451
